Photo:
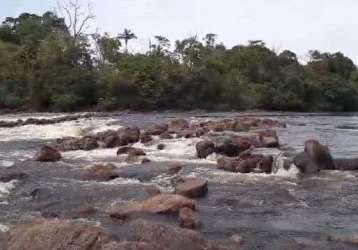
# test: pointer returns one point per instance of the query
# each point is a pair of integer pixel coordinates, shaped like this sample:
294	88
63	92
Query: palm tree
127	35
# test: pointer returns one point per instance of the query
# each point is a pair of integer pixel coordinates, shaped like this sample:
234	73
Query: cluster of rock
74	235
42	121
179	203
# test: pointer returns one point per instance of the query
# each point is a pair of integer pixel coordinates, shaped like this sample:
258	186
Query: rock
188	219
237	238
111	141
84	212
161	146
123	150
145	138
129	245
56	234
344	164
128	135
204	148
233	145
10	176
173	238
269	139
101	173
191	187
353	239
48	154
134	152
145	160
246	163
178	124
320	155
158	129
159	204
153	190
166	136
315	157
88	143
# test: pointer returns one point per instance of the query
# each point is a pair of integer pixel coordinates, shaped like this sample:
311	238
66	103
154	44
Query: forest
47	64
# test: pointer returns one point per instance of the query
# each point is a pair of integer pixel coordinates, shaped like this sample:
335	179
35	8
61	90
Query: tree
126	36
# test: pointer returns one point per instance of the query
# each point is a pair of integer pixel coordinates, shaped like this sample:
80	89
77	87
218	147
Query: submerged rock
159	204
48	154
191	187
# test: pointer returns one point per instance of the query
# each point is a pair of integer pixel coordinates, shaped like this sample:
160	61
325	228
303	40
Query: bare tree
77	17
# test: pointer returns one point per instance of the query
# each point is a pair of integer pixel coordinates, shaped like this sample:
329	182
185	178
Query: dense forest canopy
47	65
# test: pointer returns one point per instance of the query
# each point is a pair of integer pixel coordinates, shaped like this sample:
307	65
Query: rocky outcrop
191	187
159	204
246	163
204	148
233	145
101	173
56	234
48	154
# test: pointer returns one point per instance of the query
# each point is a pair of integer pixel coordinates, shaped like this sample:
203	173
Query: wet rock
145	138
128	135
204	148
320	155
56	234
172	238
84	212
101	173
315	157
166	136
178	124
71	143
111	141
269	139
186	133
188	219
345	164
134	153
48	154
88	143
191	187
153	190
123	150
159	204
353	239
145	160
148	171
232	145
246	163
161	146
158	129
10	176
129	245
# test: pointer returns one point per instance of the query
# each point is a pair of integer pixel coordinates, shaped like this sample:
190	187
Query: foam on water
5	188
4	228
53	131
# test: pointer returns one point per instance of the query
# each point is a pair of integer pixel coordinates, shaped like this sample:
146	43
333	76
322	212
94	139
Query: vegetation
48	65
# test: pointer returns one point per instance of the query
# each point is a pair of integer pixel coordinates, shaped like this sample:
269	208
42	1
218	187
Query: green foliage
43	66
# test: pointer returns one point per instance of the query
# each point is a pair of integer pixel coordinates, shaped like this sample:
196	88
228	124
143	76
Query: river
276	211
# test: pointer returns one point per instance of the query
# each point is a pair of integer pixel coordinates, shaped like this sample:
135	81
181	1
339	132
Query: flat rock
159	204
191	187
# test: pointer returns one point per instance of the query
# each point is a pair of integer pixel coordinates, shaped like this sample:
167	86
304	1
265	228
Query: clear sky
299	25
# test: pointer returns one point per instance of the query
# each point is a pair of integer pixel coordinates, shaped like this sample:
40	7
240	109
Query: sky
298	25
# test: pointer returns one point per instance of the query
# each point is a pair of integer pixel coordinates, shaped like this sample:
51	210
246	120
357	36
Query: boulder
101	173
165	237
191	187
305	164
88	143
123	150
159	204
178	124
188	219
48	154
204	148
132	152
246	163
157	129
56	234
269	139
145	138
129	245
233	145
319	154
345	164
128	135
166	136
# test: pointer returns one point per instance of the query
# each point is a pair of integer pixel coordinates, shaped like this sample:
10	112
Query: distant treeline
46	64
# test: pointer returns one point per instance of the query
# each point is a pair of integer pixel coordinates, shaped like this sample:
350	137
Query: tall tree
126	36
